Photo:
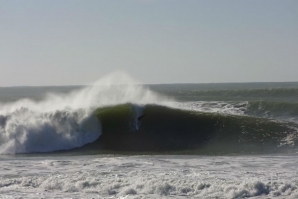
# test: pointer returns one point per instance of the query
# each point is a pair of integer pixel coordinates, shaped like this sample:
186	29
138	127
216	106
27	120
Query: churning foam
231	108
150	177
65	121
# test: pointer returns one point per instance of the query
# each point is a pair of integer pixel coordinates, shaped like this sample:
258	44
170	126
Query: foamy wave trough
151	177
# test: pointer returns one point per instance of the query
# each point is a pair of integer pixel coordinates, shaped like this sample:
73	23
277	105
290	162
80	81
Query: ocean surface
121	139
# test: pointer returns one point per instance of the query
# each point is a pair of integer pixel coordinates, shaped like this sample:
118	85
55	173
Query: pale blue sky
70	42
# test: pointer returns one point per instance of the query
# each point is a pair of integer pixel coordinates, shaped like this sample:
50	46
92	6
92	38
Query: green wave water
168	130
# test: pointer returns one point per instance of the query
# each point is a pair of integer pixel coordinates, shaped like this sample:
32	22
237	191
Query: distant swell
271	109
239	94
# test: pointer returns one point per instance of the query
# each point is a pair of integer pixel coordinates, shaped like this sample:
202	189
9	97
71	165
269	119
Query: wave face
165	129
65	121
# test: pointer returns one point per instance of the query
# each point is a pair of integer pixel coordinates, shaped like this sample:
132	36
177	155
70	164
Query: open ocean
121	139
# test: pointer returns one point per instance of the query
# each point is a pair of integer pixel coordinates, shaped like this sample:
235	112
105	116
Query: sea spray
66	121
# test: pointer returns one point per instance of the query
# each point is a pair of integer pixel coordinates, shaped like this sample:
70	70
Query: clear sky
71	42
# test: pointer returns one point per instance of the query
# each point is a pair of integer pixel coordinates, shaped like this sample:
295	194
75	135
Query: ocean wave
117	113
165	129
144	128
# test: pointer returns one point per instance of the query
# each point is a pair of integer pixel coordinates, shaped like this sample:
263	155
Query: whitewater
117	138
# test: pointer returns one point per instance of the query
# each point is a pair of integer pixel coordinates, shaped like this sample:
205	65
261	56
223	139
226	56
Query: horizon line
77	85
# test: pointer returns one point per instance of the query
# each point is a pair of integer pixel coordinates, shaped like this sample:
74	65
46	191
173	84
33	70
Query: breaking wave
165	129
65	121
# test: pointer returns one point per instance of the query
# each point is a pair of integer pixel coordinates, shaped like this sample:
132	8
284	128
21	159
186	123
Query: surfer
140	119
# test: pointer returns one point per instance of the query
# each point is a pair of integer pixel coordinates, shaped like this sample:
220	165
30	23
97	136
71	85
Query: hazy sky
54	42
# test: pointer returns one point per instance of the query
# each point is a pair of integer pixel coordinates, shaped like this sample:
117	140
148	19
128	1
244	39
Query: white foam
164	177
231	108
